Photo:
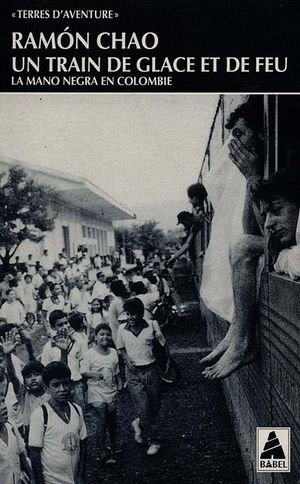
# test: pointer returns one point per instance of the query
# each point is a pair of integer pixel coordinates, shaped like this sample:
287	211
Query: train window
288	129
282	121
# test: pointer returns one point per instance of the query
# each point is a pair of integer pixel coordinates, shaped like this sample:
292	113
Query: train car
265	393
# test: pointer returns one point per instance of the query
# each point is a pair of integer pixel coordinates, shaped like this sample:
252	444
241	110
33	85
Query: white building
84	214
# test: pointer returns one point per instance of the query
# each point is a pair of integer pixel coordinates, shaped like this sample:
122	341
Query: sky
142	149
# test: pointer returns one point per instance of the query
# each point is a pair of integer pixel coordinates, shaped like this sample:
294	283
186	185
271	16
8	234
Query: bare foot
216	354
235	357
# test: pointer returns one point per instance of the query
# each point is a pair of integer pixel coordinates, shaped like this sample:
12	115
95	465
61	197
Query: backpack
45	414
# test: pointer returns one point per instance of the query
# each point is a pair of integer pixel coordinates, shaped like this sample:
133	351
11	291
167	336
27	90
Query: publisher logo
273	449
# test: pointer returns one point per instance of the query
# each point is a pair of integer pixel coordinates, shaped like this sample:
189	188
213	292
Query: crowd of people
99	340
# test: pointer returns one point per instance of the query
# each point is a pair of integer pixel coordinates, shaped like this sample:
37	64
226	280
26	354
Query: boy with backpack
57	435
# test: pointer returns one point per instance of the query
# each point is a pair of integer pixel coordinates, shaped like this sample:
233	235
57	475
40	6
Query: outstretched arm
8	344
182	249
25	335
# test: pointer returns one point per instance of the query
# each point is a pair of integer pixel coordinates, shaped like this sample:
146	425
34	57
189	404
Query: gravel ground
199	445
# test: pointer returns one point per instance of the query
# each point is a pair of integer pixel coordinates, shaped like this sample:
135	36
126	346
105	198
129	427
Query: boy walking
135	341
57	432
100	366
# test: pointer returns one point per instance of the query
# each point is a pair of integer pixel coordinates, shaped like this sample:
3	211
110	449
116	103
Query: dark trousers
144	389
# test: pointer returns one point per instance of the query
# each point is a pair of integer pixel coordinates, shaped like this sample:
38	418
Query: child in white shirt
12	449
57	435
100	366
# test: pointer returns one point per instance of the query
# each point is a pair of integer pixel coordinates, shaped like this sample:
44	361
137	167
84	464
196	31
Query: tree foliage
24	211
147	236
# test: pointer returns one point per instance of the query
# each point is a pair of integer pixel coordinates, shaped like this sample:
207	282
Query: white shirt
85	262
7	389
138	253
11	402
46	262
100	290
80	300
52	353
114	311
139	348
137	278
9	456
82	340
68	273
153	288
98	262
28	403
49	305
62	262
71	272
149	299
95	319
104	390
18	365
31	269
20	293
288	261
30	302
37	280
14	313
60	443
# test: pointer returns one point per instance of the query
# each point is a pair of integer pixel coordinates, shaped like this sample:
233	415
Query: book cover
120	106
